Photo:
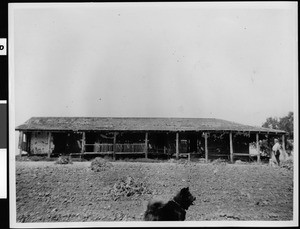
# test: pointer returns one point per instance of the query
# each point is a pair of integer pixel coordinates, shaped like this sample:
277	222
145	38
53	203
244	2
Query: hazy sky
234	62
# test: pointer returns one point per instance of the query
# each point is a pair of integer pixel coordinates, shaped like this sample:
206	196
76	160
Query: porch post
27	142
177	145
20	142
49	144
206	147
114	146
83	143
257	147
146	145
283	146
231	147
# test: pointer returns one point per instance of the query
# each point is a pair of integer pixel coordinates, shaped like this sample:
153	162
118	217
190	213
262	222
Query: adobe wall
39	143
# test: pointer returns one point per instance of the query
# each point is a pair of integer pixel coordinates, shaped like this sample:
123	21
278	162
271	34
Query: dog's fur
174	210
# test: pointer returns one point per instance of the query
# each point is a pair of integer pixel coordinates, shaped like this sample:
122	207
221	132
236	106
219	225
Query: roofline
145	130
247	128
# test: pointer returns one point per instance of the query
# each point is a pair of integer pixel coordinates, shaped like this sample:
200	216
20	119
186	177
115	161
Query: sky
236	62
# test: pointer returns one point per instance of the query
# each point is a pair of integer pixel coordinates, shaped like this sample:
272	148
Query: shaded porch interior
152	144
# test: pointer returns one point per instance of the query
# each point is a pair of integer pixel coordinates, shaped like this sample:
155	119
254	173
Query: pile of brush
127	187
288	164
99	164
64	160
219	161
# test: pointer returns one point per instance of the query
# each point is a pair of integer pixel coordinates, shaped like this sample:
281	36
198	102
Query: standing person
276	150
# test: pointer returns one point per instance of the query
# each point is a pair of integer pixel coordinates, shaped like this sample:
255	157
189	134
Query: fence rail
107	147
137	147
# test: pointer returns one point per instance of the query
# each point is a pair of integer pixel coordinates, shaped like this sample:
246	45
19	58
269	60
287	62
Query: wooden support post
206	147
231	147
283	146
146	145
177	145
20	142
114	146
28	139
83	143
49	144
27	142
24	141
257	147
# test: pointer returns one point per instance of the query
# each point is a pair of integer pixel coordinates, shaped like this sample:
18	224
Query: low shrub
183	161
219	161
128	187
172	160
240	162
100	164
64	160
108	158
202	160
288	164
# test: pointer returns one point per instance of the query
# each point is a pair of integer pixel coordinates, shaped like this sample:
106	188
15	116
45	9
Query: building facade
145	137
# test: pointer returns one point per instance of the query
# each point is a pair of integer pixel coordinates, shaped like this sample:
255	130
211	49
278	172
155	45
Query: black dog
174	210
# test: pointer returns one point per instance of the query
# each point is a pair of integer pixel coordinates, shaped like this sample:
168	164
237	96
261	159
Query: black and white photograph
132	114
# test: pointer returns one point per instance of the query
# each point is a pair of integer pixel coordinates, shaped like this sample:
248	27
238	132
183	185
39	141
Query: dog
173	210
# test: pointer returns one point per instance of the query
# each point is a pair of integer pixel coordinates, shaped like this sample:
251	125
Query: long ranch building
145	137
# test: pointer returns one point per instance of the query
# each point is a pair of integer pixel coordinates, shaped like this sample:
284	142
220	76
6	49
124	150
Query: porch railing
108	147
136	147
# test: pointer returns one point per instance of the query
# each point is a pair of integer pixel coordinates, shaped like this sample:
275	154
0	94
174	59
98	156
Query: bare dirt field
49	192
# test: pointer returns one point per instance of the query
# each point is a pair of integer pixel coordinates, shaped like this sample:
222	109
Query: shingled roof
136	124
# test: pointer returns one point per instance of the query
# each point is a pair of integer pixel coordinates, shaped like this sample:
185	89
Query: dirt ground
49	192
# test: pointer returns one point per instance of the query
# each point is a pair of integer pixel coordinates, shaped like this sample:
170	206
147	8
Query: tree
272	123
285	123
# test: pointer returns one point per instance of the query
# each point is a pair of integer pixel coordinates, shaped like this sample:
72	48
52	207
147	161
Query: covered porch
229	145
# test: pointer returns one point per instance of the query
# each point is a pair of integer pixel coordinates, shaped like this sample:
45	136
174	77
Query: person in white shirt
276	150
